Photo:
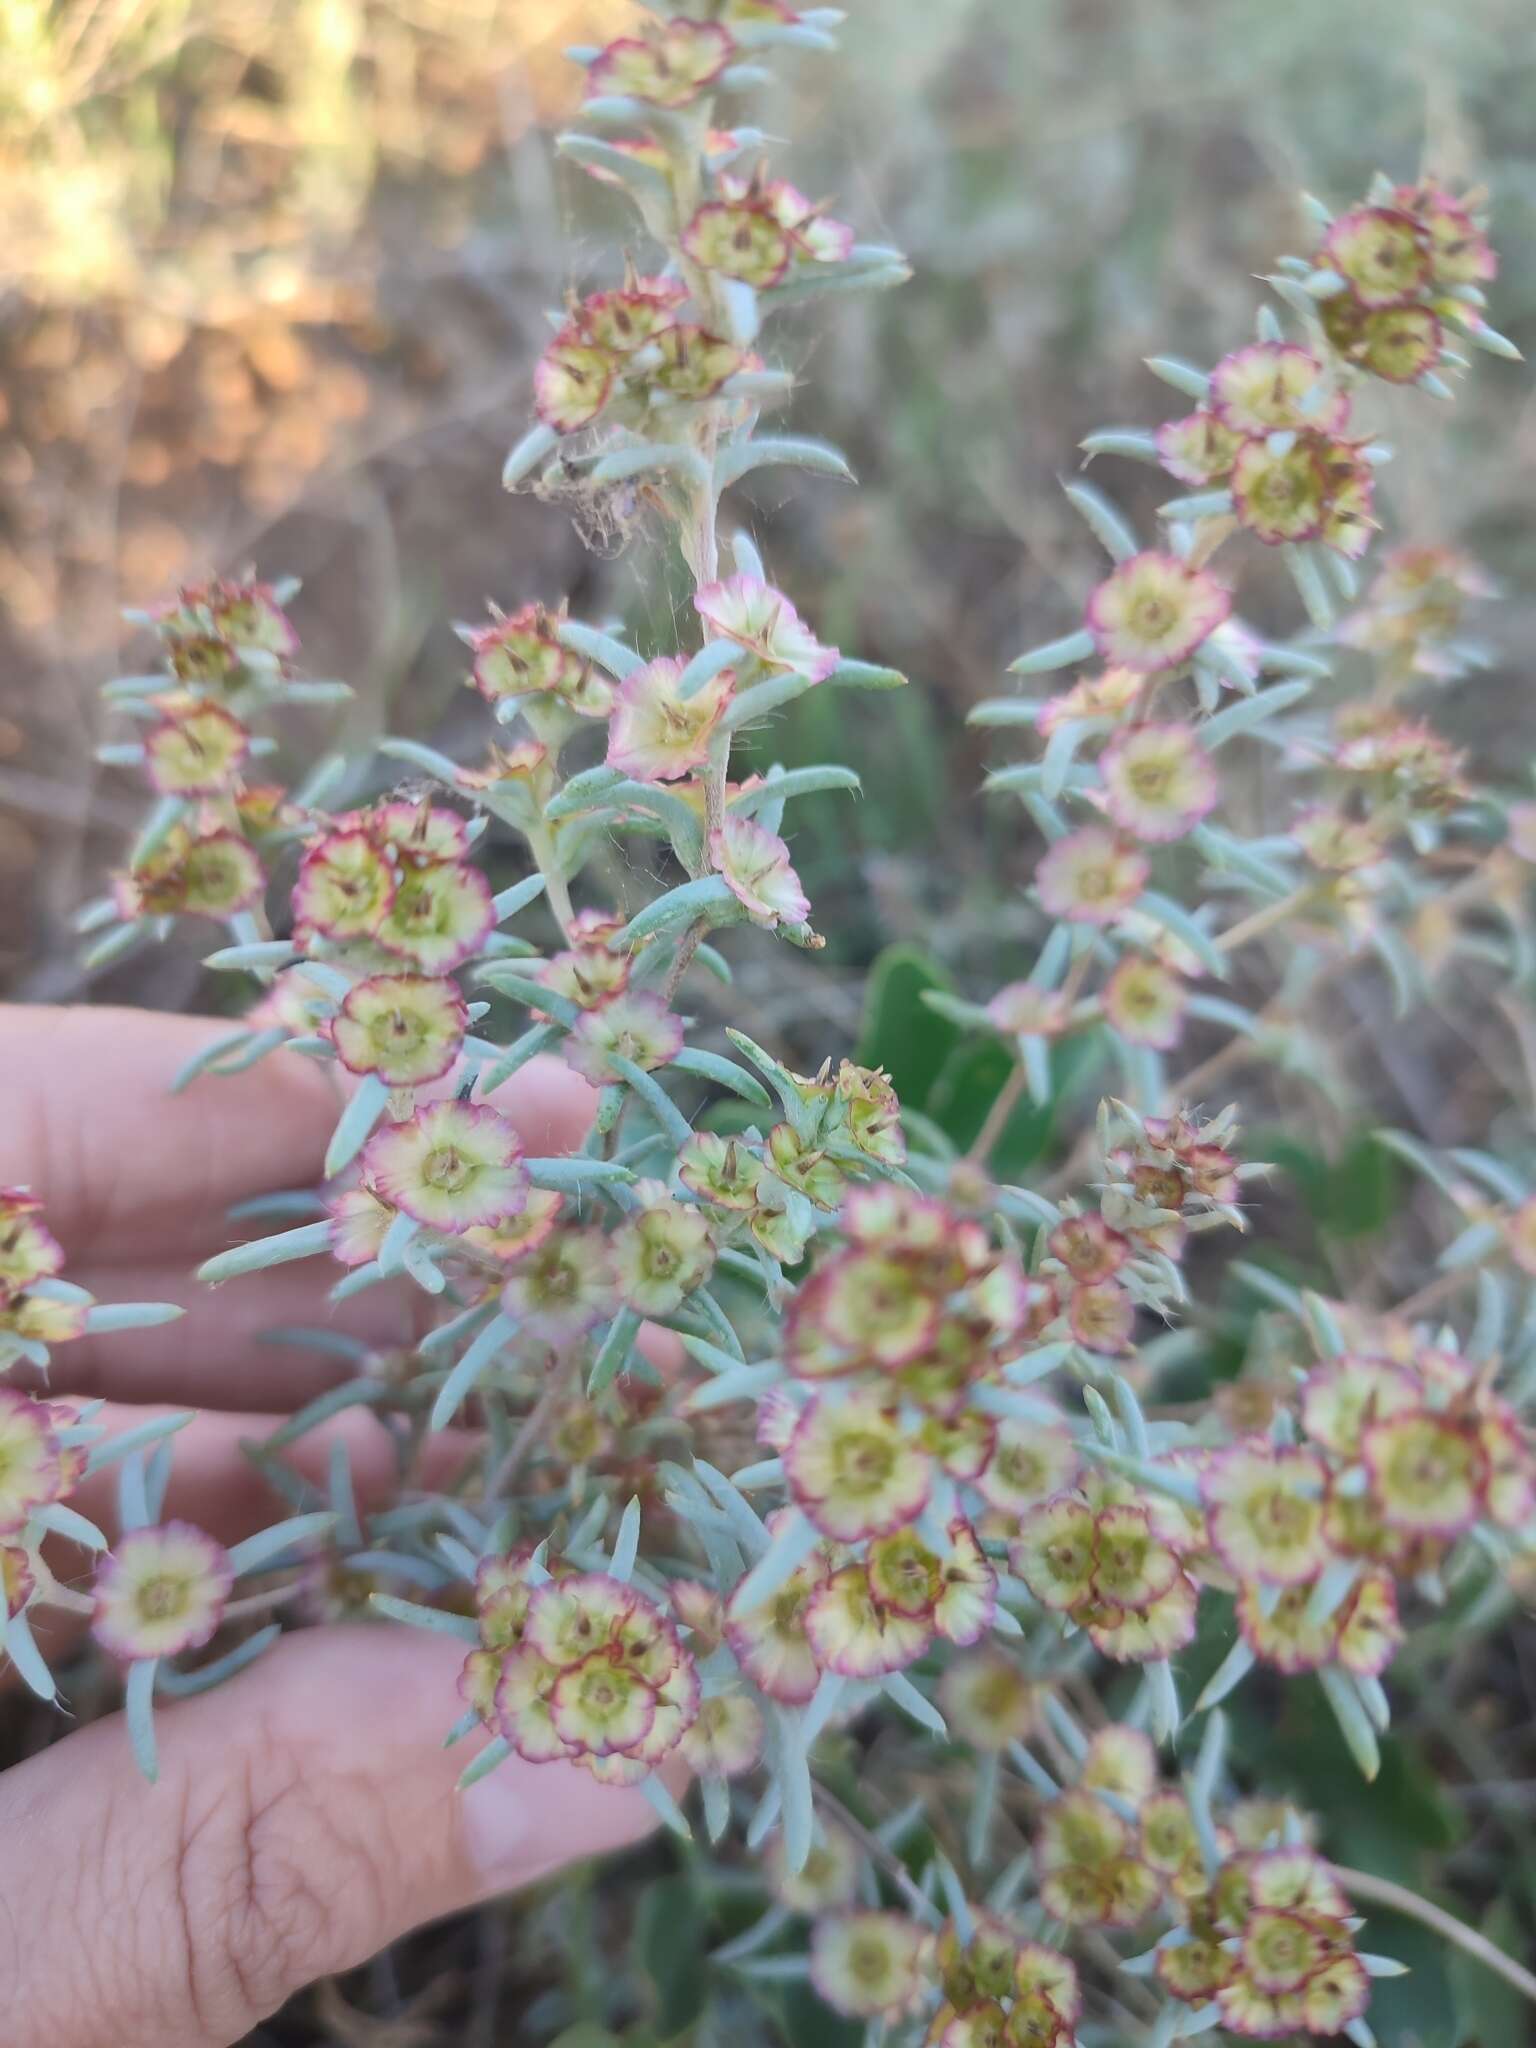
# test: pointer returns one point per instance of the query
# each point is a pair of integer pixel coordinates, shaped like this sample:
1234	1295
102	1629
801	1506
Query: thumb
306	1815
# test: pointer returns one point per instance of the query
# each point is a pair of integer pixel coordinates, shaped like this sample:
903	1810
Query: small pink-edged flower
828	1879
1159	781
572	382
451	1166
1343	1396
600	1706
1152	612
1101	1316
1123	1762
741	239
207	874
1381	253
1510	1494
29	1251
1266	1512
1043	1972
665	64
1272	386
1029	1463
405	1028
1196	1969
161	1591
514	1237
1088	1248
692	363
1053	1552
1428	1472
987	1700
440	914
662	1251
1282	1950
967	1601
17	1580
861	1306
563	1287
854	1469
722	1171
1370	1633
636	1025
345	886
858	1636
1197	449
762	620
198	752
358	1223
1458	248
870	1965
657	734
1025	1011
1281	1630
727	1737
1141	1635
1088	1871
587	976
626	319
1281	497
1335	1995
1091	876
873	1110
1395	343
755	865
769	1641
34	1468
1132	1567
1144	1001
521	655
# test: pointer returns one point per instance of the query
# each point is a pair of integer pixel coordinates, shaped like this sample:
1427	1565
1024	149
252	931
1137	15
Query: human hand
306	1813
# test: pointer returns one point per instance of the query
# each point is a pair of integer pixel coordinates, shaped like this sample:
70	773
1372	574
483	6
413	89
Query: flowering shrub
961	1511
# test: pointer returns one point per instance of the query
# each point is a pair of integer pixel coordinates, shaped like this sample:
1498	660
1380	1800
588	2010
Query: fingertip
551	1106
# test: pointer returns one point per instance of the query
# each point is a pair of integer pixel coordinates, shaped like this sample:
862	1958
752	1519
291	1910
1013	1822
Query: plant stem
523	1444
689	944
1003	1105
1382	1891
878	1853
1261	920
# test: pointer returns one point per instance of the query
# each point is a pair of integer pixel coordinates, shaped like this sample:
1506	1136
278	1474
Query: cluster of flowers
579	1666
997	1989
228	650
163	1589
1262	1940
1271	449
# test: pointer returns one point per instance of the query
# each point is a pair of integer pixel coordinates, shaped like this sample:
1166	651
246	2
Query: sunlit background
276	271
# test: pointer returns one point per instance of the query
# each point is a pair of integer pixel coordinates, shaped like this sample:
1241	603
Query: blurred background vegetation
275	273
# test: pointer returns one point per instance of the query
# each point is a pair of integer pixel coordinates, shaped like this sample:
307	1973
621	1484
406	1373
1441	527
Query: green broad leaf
669	1954
900	1032
972	1080
1422	2010
1487	2009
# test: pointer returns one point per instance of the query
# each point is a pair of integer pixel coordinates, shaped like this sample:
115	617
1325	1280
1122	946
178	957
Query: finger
306	1816
217	1355
127	1170
216	1485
